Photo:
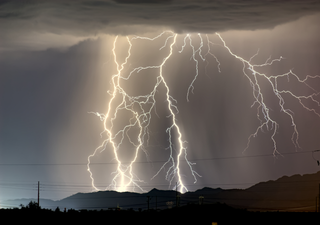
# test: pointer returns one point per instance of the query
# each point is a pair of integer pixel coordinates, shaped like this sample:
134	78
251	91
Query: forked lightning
141	107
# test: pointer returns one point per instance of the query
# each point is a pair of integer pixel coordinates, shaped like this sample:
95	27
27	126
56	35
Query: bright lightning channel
141	107
259	98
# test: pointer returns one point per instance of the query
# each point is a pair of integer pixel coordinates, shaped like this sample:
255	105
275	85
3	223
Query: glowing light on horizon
140	108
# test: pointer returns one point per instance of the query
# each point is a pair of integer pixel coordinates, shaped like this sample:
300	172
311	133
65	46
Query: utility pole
201	200
148	200
177	194
319	199
38	193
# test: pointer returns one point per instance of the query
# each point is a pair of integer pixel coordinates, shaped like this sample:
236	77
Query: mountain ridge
288	193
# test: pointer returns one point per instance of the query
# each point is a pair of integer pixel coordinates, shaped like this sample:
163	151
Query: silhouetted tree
33	206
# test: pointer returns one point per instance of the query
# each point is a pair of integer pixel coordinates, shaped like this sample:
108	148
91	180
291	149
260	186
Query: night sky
56	65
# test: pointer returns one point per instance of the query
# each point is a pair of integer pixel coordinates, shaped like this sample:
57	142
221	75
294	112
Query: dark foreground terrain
190	214
294	193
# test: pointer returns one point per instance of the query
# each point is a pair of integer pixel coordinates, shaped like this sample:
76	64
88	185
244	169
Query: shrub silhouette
31	206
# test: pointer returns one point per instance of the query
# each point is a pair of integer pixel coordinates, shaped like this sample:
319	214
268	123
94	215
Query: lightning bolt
259	98
140	108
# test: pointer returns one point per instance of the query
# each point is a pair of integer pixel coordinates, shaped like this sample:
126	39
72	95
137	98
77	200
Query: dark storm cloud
24	22
143	1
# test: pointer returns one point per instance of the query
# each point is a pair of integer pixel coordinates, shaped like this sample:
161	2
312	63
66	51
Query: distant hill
298	192
295	193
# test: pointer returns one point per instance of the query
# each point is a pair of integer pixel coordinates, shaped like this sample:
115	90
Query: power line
73	185
263	187
157	161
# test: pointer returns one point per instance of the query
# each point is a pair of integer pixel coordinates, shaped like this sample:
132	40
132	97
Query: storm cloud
64	23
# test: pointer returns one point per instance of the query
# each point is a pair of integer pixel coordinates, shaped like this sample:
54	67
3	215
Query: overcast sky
56	65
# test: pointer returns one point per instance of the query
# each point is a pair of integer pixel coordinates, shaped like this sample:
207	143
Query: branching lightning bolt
259	98
141	107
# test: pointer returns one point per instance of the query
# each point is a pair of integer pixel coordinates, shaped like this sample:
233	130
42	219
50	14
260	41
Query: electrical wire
157	161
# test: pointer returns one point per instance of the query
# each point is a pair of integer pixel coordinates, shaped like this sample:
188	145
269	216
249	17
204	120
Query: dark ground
192	214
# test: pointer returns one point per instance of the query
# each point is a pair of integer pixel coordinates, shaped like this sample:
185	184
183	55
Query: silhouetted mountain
296	193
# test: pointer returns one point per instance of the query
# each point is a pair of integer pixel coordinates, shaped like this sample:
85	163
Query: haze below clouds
38	25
